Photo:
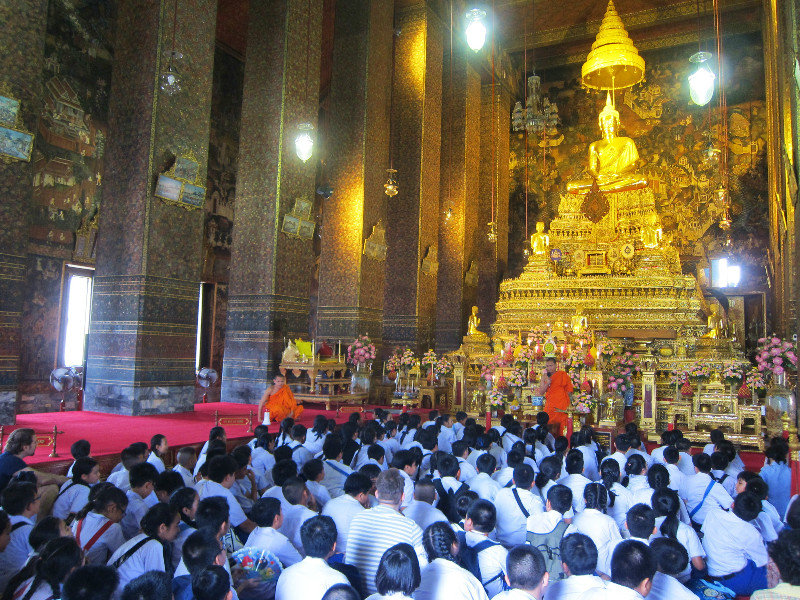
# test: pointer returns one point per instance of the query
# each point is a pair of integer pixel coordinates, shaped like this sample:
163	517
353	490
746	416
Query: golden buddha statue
651	232
540	241
612	160
474	321
579	323
716	324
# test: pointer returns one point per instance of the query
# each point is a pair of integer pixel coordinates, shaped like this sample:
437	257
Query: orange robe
557	397
281	404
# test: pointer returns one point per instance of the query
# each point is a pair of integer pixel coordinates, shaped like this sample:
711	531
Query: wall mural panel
671	135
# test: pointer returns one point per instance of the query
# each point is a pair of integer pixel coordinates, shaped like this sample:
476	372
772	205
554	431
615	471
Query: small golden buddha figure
651	233
612	160
716	328
474	321
579	323
540	241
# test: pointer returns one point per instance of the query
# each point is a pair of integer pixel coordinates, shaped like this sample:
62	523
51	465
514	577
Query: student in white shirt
336	471
442	578
186	501
146	551
719	464
578	562
716	436
300	454
345	507
636	477
421	509
446	434
701	493
376	455
262	459
222	476
74	494
585	445
480	447
619	498
548	475
121	478
511	436
142	479
478	525
637	447
685	462
187	459
735	550
78	449
514	506
483	484
96	528
390	442
458	425
504	476
310	578
539	447
432	416
158	450
542	528
676	476
314	472
666	506
641	523
267	516
302	507
20	499
59	557
461	451
526	575
632	570
398	574
593	521
405	462
622	444
667	439
575	479
671	559
315	437
211	583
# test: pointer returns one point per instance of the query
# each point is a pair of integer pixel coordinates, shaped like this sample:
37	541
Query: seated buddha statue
612	160
716	324
474	321
540	241
651	232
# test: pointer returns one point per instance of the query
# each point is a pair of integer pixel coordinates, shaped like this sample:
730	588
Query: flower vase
777	404
361	378
391	375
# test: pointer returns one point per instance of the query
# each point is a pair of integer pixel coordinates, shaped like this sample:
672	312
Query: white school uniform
577	483
590	467
267	538
186	475
730	542
293	519
156	461
676	477
72	497
483	485
336	473
503	476
658	455
666	587
623	500
150	557
137	508
612	591
262	462
571	588
458	429
511	521
694	489
689	539
446	438
213	489
508	440
492	562
13	558
604	532
309	579
408	489
342	510
423	514
314	441
120	479
111	539
685	464
443	579
300	453
472	457
320	492
467	470
727	481
621	459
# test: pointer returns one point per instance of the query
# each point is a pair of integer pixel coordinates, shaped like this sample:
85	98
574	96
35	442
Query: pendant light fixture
476	30
170	79
304	142
701	80
390	187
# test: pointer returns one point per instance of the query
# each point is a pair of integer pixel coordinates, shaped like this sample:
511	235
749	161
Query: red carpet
109	434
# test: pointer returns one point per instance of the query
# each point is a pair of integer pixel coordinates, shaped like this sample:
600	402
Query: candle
384	369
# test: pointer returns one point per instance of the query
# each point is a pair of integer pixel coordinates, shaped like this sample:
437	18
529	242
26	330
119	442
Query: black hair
293	489
658	477
283	470
242	454
641	521
549	470
299	431
523	476
486	463
514	458
183	498
211	583
169	481
459	447
785	552
666	503
609	475
777	451
716	436
216	433
376	452
574	462
596	496
398	571
542	418
80	448
370	470
212	512
719	461
448	465
142	473
341	591
318	535
683	444
746	506
793	515
332	447
139	448
634	466
438	540
264	511
46	529
525	567
264	440
403	459
151	585
671	455
758	487
746	475
560	498
220	467
90	582
157	515
670	555
320	426
579	552
312	469
702	462
357	483
285	428
155	441
464	501
57	559
631	563
100	497
483	515
200	549
17	496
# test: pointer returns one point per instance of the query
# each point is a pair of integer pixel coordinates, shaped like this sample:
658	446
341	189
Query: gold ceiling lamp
614	62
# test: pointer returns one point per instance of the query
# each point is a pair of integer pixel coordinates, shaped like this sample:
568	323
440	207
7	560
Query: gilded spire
614	62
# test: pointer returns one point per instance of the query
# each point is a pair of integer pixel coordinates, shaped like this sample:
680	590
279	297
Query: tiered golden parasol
614	62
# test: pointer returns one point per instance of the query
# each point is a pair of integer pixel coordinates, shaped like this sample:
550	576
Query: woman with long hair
96	527
58	558
594	522
666	505
398	574
635	473
185	501
619	498
45	530
261	459
443	578
548	475
74	494
657	479
284	432
316	435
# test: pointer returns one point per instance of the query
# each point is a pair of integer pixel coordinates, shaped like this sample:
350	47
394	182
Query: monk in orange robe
556	386
279	401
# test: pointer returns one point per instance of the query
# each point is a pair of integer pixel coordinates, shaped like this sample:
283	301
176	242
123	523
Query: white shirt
483	485
72	498
694	489
300	453
543	523
445	580
105	545
446	438
658	455
156	462
730	543
342	510
120	479
685	464
293	519
149	557
314	441
689	539
423	514
676	477
577	483
511	521
503	476
336	473
390	446
604	532
647	458
137	508
266	538
666	587
427	424
621	460
728	481
13	558
374	531
590	467
467	470
611	591
508	440
186	475
262	462
320	492
472	457
458	428
309	579
492	562
513	594
212	489
571	588
408	489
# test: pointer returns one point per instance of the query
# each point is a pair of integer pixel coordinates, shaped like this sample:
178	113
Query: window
76	315
724	274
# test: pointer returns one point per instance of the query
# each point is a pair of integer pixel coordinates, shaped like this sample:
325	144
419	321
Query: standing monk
279	401
556	386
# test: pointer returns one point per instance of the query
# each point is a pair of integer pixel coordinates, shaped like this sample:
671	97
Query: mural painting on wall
40	317
671	134
72	129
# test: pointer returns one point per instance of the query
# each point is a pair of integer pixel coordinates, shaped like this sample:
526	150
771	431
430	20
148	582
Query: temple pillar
21	62
459	197
271	270
142	335
351	283
494	182
412	230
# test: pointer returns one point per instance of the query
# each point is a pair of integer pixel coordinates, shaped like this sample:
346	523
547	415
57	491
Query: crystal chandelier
390	187
539	115
170	80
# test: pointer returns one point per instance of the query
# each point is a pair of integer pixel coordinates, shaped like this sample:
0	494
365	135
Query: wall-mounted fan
206	378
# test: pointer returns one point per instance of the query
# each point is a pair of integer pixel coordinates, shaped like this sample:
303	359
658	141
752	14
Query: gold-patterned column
459	197
143	332
411	269
271	266
351	280
21	62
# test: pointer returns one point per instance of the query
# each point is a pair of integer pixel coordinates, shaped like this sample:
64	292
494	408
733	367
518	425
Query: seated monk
279	401
556	386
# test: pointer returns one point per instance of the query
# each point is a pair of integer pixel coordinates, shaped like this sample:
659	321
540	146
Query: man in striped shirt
374	531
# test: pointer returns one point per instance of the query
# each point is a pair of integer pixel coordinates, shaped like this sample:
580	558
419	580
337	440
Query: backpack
447	500
550	546
469	558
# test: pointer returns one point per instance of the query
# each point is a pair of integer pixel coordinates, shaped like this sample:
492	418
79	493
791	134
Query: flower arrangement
361	351
525	357
622	370
487	372
679	376
776	356
393	362
443	367
733	373
699	372
584	402
407	359
755	380
495	398
517	378
574	363
429	360
575	377
606	351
